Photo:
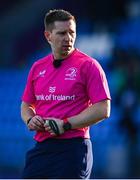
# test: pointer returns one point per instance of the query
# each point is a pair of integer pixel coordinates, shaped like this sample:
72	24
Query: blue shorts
59	159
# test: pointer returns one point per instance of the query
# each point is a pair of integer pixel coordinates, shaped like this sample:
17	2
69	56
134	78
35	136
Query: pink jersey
65	91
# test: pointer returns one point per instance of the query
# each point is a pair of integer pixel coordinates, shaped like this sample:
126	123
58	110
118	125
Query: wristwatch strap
67	125
27	122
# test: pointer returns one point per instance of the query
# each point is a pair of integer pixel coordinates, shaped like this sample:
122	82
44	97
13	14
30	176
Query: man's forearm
91	115
26	112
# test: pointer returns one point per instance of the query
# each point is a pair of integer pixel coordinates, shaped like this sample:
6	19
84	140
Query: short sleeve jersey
65	91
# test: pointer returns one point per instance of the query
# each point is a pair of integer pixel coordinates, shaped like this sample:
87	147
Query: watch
67	126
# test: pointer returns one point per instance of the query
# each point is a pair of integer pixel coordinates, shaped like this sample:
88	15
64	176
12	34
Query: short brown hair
56	15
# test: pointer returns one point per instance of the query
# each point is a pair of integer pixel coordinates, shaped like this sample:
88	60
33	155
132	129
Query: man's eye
72	33
62	33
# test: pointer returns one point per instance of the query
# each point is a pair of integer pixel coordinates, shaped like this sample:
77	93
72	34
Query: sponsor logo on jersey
52	89
52	97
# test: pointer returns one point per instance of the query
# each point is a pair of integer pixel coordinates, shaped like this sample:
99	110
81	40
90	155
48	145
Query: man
66	92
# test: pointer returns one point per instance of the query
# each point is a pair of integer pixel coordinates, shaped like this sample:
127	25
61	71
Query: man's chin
66	52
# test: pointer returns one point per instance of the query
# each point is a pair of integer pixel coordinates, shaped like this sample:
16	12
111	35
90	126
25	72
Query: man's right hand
36	124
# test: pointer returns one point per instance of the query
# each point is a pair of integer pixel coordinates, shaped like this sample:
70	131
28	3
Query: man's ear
47	35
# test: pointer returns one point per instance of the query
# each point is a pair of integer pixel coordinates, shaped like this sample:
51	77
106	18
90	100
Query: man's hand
54	126
36	124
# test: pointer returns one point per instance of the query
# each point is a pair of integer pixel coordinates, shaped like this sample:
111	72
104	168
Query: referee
66	92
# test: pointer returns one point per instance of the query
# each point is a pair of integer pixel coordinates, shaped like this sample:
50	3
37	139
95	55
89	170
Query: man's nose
67	37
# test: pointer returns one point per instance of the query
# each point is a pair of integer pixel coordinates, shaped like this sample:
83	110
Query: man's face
62	38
